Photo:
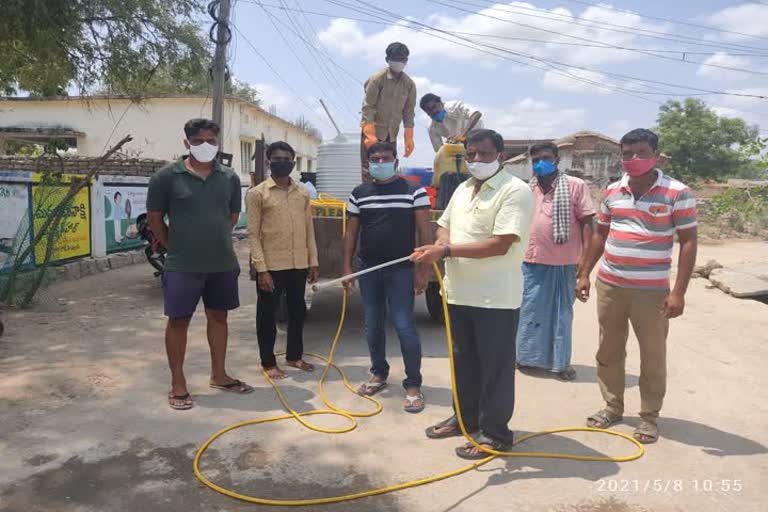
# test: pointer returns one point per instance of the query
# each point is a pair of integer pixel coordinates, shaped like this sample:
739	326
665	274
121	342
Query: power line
323	56
306	68
277	74
672	20
321	64
553	64
288	9
555	69
596	44
603	25
533	27
322	46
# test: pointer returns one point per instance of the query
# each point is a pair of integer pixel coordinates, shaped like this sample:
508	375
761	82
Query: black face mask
281	169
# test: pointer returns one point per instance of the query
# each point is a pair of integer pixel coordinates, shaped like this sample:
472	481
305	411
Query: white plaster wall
156	125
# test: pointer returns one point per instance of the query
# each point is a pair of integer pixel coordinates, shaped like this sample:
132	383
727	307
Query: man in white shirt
449	120
483	234
309	186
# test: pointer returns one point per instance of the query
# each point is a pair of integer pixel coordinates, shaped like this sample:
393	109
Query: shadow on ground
147	477
713	441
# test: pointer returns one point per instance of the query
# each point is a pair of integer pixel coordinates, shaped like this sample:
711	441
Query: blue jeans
391	289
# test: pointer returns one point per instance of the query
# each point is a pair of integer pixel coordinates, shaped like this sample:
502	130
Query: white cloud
277	96
518	20
445	91
620	127
723	59
747	102
747	18
728	112
531	118
560	81
752	110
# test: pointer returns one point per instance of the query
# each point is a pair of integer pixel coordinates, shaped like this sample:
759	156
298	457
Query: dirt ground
86	427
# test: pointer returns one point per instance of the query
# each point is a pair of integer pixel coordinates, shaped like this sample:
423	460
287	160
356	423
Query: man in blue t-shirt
386	215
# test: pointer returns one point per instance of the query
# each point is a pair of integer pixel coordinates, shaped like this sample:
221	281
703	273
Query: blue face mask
439	116
544	168
381	171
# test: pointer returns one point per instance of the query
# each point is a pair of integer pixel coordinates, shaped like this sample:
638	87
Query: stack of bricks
81	165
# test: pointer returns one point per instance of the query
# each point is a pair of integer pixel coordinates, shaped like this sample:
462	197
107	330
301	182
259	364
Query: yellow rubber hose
336	411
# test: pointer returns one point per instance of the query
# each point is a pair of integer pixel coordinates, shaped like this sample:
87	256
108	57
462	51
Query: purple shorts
183	290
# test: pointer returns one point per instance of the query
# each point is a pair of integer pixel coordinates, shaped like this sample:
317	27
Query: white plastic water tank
338	165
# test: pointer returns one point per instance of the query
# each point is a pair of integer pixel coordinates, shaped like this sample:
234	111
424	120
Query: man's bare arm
350	244
158	227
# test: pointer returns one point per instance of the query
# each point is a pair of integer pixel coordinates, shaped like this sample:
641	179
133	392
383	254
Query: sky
538	69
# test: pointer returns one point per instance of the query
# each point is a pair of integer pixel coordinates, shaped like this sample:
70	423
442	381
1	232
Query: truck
330	250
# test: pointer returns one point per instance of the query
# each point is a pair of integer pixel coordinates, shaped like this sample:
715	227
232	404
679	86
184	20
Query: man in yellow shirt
390	98
283	253
483	234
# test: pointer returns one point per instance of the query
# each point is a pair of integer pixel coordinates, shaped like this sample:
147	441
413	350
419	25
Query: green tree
702	144
51	45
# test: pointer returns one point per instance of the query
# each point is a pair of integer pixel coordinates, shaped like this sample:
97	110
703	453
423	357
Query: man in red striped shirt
637	222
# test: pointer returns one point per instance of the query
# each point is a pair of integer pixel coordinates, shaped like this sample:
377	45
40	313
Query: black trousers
484	358
292	283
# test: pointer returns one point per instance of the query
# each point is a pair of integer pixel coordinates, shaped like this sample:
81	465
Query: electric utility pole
223	37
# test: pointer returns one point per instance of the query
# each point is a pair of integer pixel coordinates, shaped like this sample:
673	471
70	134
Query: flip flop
450	422
649	432
301	365
370	388
410	403
604	419
180	402
467	451
237	386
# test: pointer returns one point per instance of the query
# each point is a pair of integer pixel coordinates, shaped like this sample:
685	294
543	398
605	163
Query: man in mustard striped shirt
283	254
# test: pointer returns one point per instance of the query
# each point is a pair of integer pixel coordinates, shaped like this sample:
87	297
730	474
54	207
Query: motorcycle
155	258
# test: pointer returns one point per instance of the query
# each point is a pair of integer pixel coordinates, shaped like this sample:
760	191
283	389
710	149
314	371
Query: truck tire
434	302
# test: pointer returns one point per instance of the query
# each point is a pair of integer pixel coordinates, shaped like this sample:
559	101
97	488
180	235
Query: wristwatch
447	251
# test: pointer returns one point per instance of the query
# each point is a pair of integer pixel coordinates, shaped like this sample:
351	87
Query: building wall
156	125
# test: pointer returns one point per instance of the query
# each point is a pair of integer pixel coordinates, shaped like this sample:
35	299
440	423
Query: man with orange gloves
390	97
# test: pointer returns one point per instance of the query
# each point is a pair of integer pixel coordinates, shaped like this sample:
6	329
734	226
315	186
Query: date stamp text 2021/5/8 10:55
669	485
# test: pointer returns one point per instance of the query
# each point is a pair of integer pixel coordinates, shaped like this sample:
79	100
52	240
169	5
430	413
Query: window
298	163
309	165
246	158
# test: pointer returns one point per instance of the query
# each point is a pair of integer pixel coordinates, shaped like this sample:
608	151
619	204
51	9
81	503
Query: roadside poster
14	222
74	239
123	202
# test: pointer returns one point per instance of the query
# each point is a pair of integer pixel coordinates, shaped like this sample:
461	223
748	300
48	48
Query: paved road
85	426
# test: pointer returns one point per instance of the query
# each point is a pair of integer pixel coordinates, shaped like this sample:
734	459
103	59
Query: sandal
603	419
432	432
370	387
236	386
646	433
567	374
414	403
180	402
301	365
468	451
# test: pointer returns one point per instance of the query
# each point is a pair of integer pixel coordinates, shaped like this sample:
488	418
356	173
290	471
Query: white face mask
397	67
483	170
204	152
